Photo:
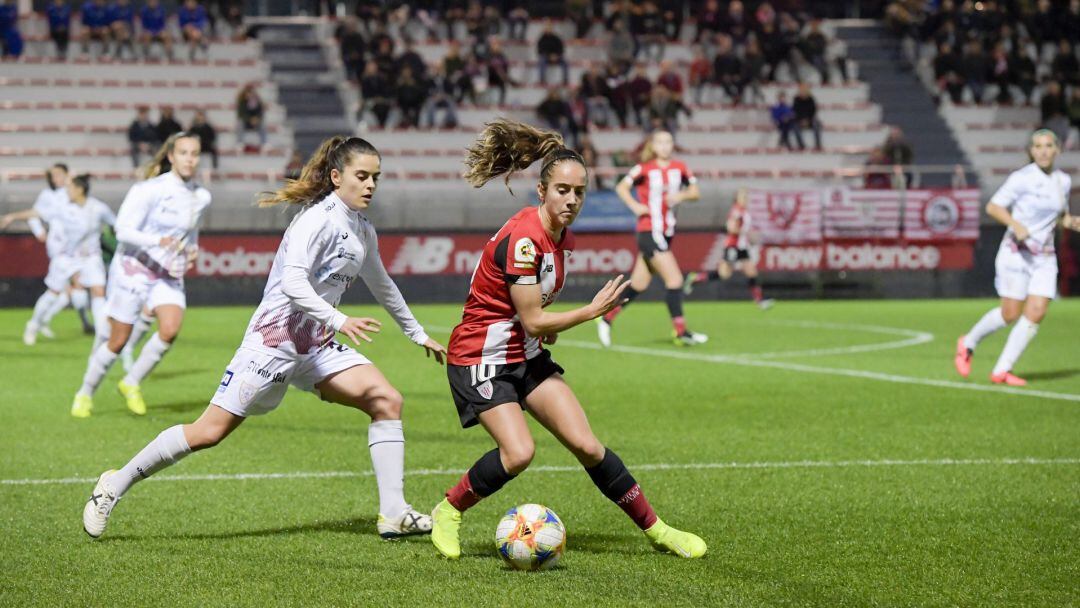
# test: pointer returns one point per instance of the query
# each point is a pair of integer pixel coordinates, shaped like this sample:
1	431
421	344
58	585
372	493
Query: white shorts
91	271
255	381
133	286
1020	274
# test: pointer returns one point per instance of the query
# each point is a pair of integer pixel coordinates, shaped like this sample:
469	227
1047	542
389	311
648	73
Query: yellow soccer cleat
669	540
445	526
80	408
133	394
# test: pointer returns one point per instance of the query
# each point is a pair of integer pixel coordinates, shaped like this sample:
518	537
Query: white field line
688	466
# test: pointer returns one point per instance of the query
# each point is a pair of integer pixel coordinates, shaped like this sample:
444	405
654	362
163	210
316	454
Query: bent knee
385	403
201	438
516	459
587	449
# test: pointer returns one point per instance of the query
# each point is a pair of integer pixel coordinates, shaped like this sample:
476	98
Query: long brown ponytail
314	182
506	146
160	163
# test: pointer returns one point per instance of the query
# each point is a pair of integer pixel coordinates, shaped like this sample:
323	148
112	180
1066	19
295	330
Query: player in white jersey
55	298
158	230
1031	202
290	339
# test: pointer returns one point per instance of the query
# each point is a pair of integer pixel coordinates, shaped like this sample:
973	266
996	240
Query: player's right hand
609	296
1021	232
355	328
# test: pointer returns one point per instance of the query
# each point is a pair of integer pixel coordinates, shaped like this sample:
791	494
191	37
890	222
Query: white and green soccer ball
530	537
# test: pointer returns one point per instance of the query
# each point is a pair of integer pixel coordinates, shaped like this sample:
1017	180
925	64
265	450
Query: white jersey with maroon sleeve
327	246
655	183
162	206
521	253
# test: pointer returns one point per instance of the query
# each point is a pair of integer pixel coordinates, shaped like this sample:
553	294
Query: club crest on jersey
485	389
525	254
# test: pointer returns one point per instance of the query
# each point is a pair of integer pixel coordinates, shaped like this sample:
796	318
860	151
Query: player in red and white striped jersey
738	255
497	365
662	183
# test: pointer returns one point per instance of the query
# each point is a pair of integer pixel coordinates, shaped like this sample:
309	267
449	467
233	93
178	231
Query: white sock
59	302
96	368
97	308
386	441
142	324
988	324
79	299
42	306
165	450
1021	334
149	356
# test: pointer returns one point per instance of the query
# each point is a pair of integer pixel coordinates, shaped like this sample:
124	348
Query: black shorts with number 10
478	388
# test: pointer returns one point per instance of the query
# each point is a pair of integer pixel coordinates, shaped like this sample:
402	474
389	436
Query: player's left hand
550	338
192	255
432	347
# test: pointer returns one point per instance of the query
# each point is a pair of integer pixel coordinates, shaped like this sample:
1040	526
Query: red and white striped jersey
521	253
654	185
739	238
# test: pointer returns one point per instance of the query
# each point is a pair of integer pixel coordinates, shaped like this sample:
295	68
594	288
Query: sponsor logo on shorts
225	380
247	393
485	389
274	378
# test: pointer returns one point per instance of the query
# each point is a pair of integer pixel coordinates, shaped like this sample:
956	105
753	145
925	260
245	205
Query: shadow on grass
1056	374
353	525
604	544
181	407
179	373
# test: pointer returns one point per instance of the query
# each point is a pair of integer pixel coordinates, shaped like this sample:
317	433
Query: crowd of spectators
113	27
1025	51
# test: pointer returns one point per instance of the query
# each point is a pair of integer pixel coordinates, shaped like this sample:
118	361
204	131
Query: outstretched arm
538	322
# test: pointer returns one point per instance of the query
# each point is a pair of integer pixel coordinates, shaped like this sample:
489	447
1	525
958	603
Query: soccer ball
530	537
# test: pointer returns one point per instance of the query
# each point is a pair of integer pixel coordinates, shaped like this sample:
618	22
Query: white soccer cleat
102	500
409	523
603	331
766	304
29	336
689	338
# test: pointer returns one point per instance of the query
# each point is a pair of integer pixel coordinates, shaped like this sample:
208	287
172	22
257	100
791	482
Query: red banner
243	255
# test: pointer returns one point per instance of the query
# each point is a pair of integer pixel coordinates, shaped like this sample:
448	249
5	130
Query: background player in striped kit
290	337
1031	203
55	298
662	184
157	229
738	255
497	366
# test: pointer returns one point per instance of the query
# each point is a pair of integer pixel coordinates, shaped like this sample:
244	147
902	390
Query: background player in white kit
56	297
157	229
290	337
1030	202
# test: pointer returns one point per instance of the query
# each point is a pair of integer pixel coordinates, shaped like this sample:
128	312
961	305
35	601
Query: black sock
752	281
487	475
674	302
713	275
611	476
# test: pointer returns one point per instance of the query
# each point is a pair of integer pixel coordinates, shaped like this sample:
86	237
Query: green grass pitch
826	451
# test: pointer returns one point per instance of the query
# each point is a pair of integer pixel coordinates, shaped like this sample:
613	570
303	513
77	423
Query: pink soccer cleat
1008	379
963	358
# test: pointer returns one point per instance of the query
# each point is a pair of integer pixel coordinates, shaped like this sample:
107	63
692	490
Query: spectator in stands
167	124
805	107
295	166
784	119
1065	68
207	136
664	108
639	87
142	135
595	91
375	92
550	50
152	17
976	69
121	18
591	157
709	21
95	25
699	73
1074	119
234	18
874	177
618	92
788	41
651	41
409	58
813	47
498	69
578	13
621	46
670	78
736	24
671	16
948	65
411	95
727	69
353	47
1054	112
250	117
518	20
453	65
1001	73
753	62
11	41
59	15
193	23
898	152
441	97
1070	22
1043	27
556	114
1024	74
